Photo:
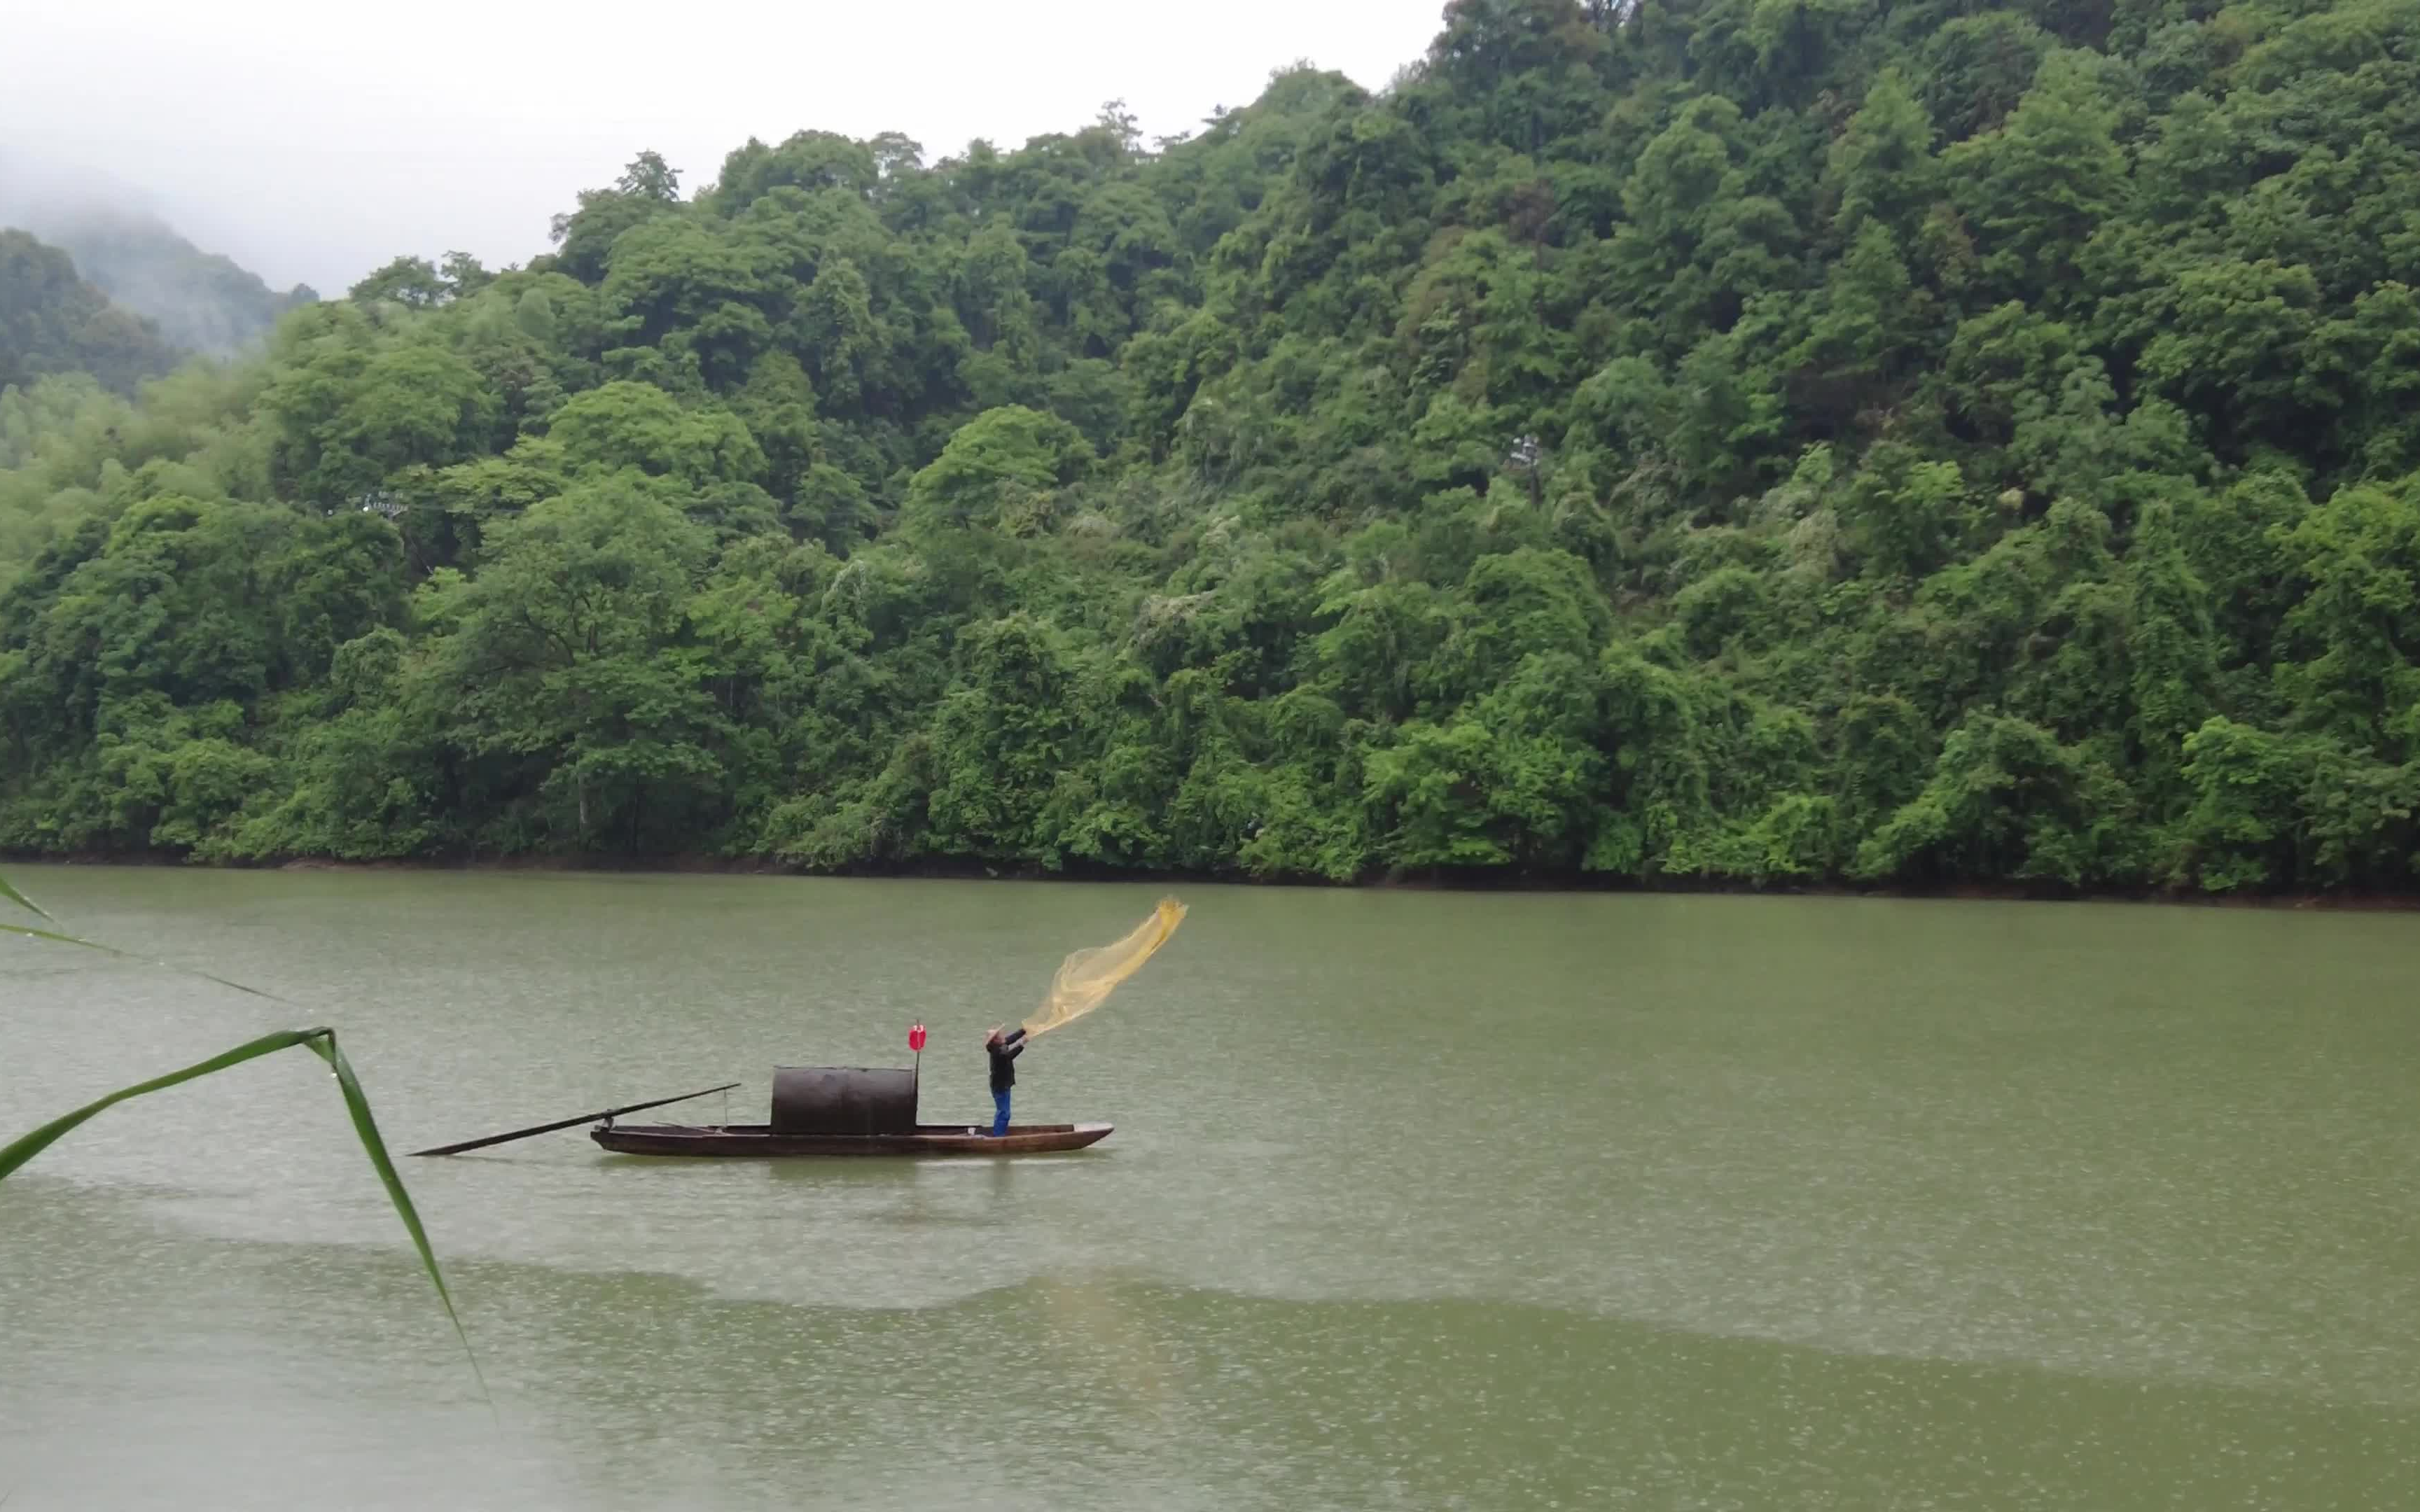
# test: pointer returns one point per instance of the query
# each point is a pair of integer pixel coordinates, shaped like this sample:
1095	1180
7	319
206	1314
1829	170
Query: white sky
312	139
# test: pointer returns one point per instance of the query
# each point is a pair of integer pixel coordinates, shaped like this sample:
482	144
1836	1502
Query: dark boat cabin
843	1100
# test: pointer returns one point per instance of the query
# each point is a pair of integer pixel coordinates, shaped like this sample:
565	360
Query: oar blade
576	1120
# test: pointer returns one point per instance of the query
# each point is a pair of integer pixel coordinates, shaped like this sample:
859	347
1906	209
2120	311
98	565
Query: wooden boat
816	1110
761	1140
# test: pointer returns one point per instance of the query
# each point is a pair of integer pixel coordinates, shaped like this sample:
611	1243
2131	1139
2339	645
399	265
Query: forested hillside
1727	439
201	302
53	321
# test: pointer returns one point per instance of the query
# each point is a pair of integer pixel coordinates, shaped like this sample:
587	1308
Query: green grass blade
32	934
29	933
321	1042
19	1150
20	899
365	1125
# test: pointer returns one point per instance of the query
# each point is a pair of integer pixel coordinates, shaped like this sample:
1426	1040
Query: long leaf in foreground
20	899
55	937
323	1042
365	1125
25	1147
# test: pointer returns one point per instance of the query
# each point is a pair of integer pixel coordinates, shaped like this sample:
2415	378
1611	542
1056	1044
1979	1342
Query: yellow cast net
1087	978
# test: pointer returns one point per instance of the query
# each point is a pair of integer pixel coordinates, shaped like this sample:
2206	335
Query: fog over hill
121	244
53	321
314	147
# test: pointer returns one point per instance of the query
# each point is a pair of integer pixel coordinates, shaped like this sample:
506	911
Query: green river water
1416	1201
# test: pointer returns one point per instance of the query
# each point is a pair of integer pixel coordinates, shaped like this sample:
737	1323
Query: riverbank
1534	882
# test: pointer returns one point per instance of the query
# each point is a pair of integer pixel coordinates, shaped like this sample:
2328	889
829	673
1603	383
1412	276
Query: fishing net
1087	978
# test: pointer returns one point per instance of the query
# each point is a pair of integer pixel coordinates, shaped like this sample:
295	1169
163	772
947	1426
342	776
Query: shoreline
1541	883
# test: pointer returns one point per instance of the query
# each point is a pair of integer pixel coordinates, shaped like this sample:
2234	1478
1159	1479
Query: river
1416	1201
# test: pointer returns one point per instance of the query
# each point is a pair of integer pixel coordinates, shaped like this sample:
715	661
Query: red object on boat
916	1038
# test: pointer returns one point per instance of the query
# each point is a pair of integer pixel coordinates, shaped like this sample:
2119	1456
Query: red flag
916	1037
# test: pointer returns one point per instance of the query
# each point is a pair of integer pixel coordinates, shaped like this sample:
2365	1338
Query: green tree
1748	442
563	659
998	472
53	321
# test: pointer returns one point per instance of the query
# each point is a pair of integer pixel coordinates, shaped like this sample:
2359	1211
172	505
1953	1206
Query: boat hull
758	1142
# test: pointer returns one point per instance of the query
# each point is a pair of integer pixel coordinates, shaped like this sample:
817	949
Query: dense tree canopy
53	321
1717	439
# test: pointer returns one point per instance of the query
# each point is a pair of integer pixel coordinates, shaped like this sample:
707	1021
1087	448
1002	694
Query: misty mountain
54	321
200	301
120	243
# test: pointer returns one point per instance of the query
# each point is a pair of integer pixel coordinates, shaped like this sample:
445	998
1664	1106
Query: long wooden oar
566	1123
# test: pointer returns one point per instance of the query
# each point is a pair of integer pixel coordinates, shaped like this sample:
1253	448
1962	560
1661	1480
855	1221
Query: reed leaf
320	1042
28	931
365	1125
20	899
25	1147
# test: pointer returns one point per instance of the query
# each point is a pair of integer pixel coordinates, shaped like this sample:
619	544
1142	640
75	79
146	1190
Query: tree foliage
1677	440
53	321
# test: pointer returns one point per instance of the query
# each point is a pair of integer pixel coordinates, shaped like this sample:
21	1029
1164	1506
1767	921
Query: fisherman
1003	1052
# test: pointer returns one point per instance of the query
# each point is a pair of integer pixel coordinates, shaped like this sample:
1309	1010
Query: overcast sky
312	139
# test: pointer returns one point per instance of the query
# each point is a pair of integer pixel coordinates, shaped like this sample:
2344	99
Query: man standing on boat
1003	1052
